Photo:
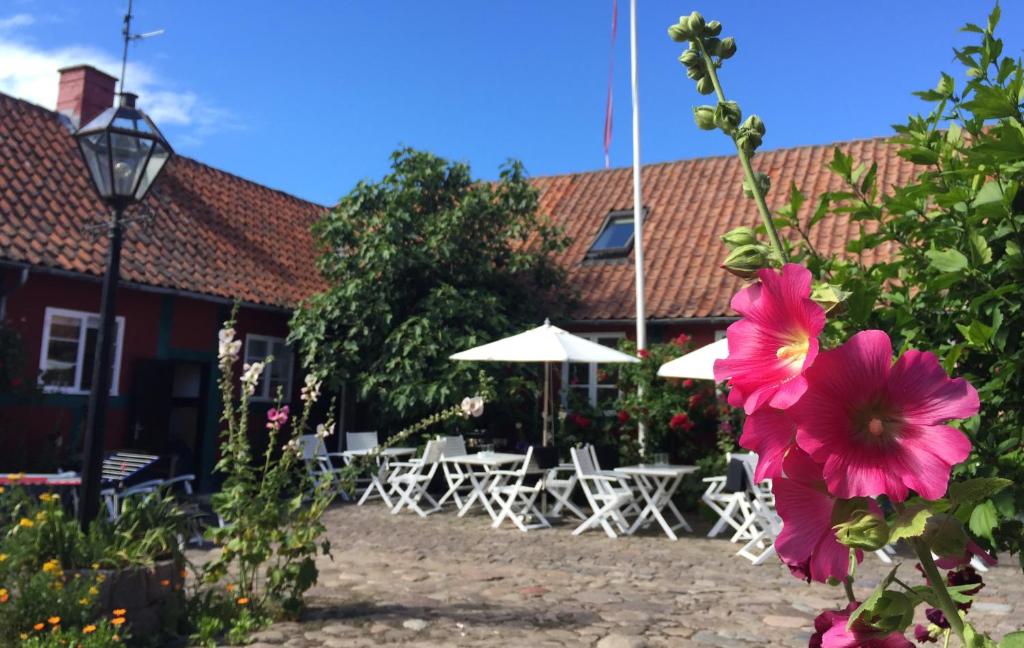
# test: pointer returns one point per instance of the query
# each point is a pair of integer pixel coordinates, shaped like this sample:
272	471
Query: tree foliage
426	262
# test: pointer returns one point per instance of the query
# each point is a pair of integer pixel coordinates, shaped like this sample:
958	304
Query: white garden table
657	484
384	456
478	468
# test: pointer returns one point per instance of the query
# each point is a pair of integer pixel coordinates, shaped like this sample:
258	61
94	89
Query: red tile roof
211	232
217	234
690	203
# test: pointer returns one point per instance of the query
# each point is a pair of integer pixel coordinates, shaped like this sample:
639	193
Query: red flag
611	67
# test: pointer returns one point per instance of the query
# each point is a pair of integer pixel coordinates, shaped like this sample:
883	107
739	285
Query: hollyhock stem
848	586
946	604
748	170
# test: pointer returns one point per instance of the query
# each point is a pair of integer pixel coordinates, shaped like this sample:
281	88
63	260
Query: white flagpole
638	229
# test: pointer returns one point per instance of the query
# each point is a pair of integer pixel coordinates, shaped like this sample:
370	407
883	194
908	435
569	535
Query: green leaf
975	639
989	199
973	491
948	260
1013	640
984	519
978	334
909	524
981	248
876	596
991	103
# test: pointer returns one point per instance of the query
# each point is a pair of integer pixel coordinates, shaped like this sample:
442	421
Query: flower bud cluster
746	254
228	347
250	376
310	392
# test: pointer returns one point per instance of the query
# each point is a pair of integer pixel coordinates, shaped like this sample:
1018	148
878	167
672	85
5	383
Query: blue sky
311	97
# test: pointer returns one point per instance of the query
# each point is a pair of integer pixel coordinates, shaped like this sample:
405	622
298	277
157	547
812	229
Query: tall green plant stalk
748	169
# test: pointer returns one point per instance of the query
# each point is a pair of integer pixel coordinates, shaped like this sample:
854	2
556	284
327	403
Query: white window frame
263	394
44	351
592	385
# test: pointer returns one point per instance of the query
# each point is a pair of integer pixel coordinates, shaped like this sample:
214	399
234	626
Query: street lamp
124	152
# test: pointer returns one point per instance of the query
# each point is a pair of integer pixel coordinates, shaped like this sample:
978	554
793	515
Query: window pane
64	328
606	397
89	357
579	374
255	350
606	375
615	235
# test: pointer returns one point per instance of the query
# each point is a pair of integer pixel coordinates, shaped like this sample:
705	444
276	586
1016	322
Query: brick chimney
84	93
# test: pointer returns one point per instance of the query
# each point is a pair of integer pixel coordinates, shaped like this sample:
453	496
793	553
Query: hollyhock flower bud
696	23
865	530
746	260
775	342
754	123
924	635
727	48
680	32
704	116
713	28
879	428
764	184
697	72
705	86
735	238
690	58
728	115
830	631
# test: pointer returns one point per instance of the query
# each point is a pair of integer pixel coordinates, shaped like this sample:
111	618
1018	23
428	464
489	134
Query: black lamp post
124	152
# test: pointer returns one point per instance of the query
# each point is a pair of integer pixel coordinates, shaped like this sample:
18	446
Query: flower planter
140	591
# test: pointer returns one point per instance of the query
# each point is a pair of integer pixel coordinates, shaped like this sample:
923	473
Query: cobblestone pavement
446	581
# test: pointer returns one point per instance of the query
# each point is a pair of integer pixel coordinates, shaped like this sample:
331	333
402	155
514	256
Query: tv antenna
129	37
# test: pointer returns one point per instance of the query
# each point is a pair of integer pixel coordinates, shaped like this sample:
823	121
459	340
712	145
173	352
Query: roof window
615	240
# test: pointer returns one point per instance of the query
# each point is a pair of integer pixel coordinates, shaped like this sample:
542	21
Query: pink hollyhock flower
830	632
769	433
774	343
878	427
807	543
277	417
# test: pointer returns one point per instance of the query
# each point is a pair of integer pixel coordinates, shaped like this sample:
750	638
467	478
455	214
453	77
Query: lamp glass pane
130	155
94	148
152	169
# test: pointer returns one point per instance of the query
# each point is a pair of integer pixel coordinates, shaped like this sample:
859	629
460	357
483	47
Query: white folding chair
607	495
733	508
631	508
454	475
410	485
319	464
516	491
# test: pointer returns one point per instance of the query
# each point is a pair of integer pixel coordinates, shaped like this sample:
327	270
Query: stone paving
446	581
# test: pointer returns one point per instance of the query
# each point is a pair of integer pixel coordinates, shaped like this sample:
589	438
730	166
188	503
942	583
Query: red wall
193	326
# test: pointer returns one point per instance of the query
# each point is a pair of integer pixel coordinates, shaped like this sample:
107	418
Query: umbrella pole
547	407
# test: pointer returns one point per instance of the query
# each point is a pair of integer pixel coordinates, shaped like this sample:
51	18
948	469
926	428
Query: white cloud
17	20
30	72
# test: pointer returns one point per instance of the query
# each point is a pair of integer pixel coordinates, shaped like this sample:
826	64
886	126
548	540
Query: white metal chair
410	485
516	491
607	495
454	475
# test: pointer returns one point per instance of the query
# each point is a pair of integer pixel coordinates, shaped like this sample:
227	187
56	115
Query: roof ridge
57	115
781	149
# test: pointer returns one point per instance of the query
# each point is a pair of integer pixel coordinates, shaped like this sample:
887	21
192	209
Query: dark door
168	409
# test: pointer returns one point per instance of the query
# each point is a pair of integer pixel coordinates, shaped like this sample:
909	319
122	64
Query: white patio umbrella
546	344
698	364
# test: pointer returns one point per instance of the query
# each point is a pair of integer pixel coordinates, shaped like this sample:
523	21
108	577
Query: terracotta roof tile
218	234
690	203
210	232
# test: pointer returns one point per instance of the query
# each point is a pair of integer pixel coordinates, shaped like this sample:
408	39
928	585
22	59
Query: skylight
615	238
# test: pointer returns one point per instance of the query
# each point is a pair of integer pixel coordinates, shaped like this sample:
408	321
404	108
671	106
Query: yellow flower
40	516
116	621
15	476
1	490
54	620
230	587
45	497
51	566
89	629
24	635
95	565
27	523
85	600
94	591
166	582
39	626
3	557
119	612
4	595
243	601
